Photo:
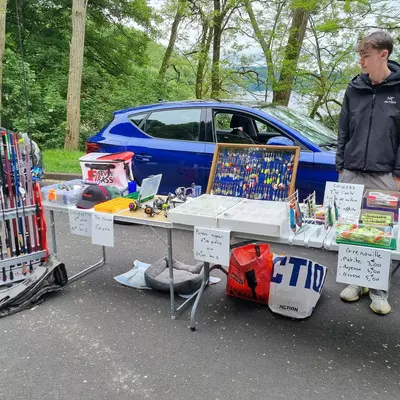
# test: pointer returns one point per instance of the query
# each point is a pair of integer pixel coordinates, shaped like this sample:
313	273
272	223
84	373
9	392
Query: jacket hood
362	81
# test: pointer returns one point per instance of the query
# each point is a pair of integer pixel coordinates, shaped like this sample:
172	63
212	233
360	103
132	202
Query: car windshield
313	130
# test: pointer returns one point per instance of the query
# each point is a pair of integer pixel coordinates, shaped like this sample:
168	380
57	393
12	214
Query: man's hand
397	181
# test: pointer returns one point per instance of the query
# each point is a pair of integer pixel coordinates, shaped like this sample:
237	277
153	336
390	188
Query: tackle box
65	193
113	206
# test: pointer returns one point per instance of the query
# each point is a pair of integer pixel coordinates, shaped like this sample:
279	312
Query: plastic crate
64	193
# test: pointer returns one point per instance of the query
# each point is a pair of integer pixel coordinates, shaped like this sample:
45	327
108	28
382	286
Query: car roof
240	105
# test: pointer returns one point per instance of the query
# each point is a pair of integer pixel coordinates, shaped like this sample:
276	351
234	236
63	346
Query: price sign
80	222
348	197
212	245
364	266
103	229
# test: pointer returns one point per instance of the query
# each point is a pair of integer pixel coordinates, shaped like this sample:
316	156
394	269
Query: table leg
206	277
53	232
89	269
171	272
395	269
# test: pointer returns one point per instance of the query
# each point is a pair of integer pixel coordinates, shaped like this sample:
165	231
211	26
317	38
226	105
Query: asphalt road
99	340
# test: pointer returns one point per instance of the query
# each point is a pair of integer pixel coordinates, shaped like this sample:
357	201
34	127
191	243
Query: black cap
92	195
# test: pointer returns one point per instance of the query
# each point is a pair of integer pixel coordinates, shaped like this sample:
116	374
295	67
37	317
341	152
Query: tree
223	10
287	74
75	74
3	11
181	7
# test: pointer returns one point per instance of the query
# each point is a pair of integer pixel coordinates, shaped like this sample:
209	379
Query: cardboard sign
80	222
364	266
348	197
103	229
212	245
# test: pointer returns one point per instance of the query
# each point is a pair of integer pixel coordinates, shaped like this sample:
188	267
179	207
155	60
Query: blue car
177	139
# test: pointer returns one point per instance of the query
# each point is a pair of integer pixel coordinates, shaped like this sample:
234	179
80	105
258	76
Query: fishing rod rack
14	213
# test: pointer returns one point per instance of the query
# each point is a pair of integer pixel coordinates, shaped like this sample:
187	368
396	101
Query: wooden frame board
254	171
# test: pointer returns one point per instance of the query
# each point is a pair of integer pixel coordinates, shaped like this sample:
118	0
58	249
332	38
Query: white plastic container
107	169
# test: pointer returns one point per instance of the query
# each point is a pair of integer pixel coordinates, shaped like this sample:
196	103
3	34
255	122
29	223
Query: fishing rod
22	196
30	194
18	203
10	192
21	236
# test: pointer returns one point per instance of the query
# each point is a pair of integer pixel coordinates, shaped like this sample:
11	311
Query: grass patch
59	160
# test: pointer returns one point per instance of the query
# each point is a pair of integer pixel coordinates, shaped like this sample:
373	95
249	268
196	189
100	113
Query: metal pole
171	272
53	232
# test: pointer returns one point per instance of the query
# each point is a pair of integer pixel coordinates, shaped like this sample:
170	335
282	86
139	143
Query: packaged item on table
382	200
376	217
365	234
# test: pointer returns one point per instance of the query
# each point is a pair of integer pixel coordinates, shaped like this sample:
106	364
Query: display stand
254	171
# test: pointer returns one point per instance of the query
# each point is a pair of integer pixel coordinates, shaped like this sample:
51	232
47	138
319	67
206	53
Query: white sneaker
353	293
379	303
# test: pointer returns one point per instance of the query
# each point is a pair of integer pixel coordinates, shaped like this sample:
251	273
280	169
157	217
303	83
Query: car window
231	127
138	119
313	130
174	124
262	127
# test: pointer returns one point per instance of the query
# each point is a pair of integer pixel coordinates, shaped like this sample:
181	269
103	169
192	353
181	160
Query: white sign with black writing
348	197
212	245
364	266
103	229
80	222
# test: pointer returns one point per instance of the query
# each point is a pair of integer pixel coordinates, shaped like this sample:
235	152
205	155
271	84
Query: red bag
250	272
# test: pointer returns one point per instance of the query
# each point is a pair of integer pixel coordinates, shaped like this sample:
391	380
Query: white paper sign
212	245
348	197
364	266
103	229
80	222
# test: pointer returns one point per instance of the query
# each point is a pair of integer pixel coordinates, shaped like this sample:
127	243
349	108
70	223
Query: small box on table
382	200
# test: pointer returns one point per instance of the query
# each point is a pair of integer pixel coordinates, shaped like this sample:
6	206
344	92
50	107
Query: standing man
368	150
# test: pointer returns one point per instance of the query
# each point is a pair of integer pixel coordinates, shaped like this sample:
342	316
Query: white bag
107	169
296	286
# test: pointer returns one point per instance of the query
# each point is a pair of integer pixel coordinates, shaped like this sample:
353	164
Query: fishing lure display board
254	171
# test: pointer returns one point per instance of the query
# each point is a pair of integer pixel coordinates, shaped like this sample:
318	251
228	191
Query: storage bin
64	193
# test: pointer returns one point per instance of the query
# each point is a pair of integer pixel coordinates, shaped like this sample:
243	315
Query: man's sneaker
353	293
379	303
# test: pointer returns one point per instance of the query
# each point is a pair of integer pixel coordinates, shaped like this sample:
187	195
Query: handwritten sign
364	266
103	229
348	197
80	222
212	245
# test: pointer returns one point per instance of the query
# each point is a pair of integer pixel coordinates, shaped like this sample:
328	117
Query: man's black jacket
369	125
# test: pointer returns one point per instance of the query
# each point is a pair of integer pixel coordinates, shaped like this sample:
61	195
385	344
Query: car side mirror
280	141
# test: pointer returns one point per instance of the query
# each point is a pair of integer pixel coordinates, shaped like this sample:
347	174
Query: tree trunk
215	73
204	50
296	36
172	39
3	10
75	74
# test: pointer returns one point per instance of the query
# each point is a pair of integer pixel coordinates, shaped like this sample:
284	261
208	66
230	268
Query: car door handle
143	157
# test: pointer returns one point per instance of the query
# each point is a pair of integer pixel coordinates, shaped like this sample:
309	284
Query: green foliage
59	160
